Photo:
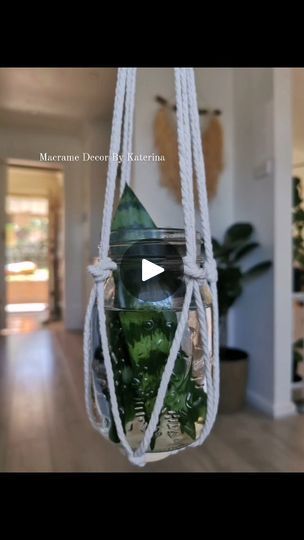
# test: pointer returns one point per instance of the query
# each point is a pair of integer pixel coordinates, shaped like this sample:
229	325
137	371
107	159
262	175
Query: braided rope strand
128	128
190	155
113	164
210	263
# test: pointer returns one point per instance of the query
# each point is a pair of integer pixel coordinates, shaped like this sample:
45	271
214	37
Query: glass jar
140	331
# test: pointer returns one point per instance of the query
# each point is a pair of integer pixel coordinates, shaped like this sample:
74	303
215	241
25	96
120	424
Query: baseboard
276	410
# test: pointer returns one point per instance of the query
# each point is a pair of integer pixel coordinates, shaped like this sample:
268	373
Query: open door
32	251
3	175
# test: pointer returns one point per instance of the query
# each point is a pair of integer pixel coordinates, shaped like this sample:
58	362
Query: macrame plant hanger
191	164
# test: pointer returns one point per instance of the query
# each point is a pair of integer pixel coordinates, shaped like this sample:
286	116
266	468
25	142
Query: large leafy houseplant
297	349
238	243
298	263
298	234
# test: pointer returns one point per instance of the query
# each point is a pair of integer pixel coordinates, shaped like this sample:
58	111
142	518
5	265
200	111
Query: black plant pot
233	379
298	280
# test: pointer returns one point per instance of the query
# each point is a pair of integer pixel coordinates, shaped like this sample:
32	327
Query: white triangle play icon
149	270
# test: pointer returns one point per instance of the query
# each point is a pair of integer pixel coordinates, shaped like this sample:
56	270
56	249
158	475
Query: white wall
146	175
215	90
253	313
282	241
261	318
96	140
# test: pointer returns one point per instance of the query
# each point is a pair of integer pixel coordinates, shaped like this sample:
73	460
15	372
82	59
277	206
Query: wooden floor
24	322
43	424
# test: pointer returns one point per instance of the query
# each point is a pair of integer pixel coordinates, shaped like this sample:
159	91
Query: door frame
4	165
3	191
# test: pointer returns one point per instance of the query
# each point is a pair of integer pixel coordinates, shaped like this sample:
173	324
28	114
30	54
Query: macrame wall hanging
165	136
151	361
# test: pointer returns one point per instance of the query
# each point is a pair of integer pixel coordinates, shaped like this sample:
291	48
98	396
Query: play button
150	270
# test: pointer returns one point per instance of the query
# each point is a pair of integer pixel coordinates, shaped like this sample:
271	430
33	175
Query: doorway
34	250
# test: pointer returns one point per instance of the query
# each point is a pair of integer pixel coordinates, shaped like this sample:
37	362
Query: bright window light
26	308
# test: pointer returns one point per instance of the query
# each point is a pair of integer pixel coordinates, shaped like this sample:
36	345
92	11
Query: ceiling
67	96
298	107
74	94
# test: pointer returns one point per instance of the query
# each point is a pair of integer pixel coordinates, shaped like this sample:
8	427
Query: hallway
44	427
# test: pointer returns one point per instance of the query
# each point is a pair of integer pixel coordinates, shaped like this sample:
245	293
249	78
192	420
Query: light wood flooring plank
44	426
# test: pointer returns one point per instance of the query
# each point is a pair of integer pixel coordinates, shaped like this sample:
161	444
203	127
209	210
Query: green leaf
298	215
130	213
126	375
298	242
180	368
113	432
244	250
217	248
257	270
229	287
299	344
222	253
189	428
197	401
297	357
237	244
297	199
153	441
239	232
299	257
146	333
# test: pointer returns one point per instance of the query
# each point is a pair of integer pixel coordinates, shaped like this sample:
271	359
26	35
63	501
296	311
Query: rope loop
139	461
102	270
208	272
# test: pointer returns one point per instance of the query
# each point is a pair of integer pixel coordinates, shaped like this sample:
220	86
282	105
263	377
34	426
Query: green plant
236	245
139	353
298	224
298	347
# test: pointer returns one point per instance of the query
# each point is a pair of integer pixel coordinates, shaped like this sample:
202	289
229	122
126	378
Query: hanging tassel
165	136
213	148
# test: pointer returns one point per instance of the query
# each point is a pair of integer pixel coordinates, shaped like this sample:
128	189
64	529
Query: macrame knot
211	271
102	269
206	273
140	461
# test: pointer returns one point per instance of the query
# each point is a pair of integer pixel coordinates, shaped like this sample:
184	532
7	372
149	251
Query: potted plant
236	245
298	347
298	243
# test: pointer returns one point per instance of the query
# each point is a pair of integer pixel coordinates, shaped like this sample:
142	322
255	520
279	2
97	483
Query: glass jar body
140	335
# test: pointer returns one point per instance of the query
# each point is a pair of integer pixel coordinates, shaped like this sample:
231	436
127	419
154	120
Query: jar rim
125	236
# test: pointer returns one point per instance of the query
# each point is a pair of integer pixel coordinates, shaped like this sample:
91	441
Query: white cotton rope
191	162
128	128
